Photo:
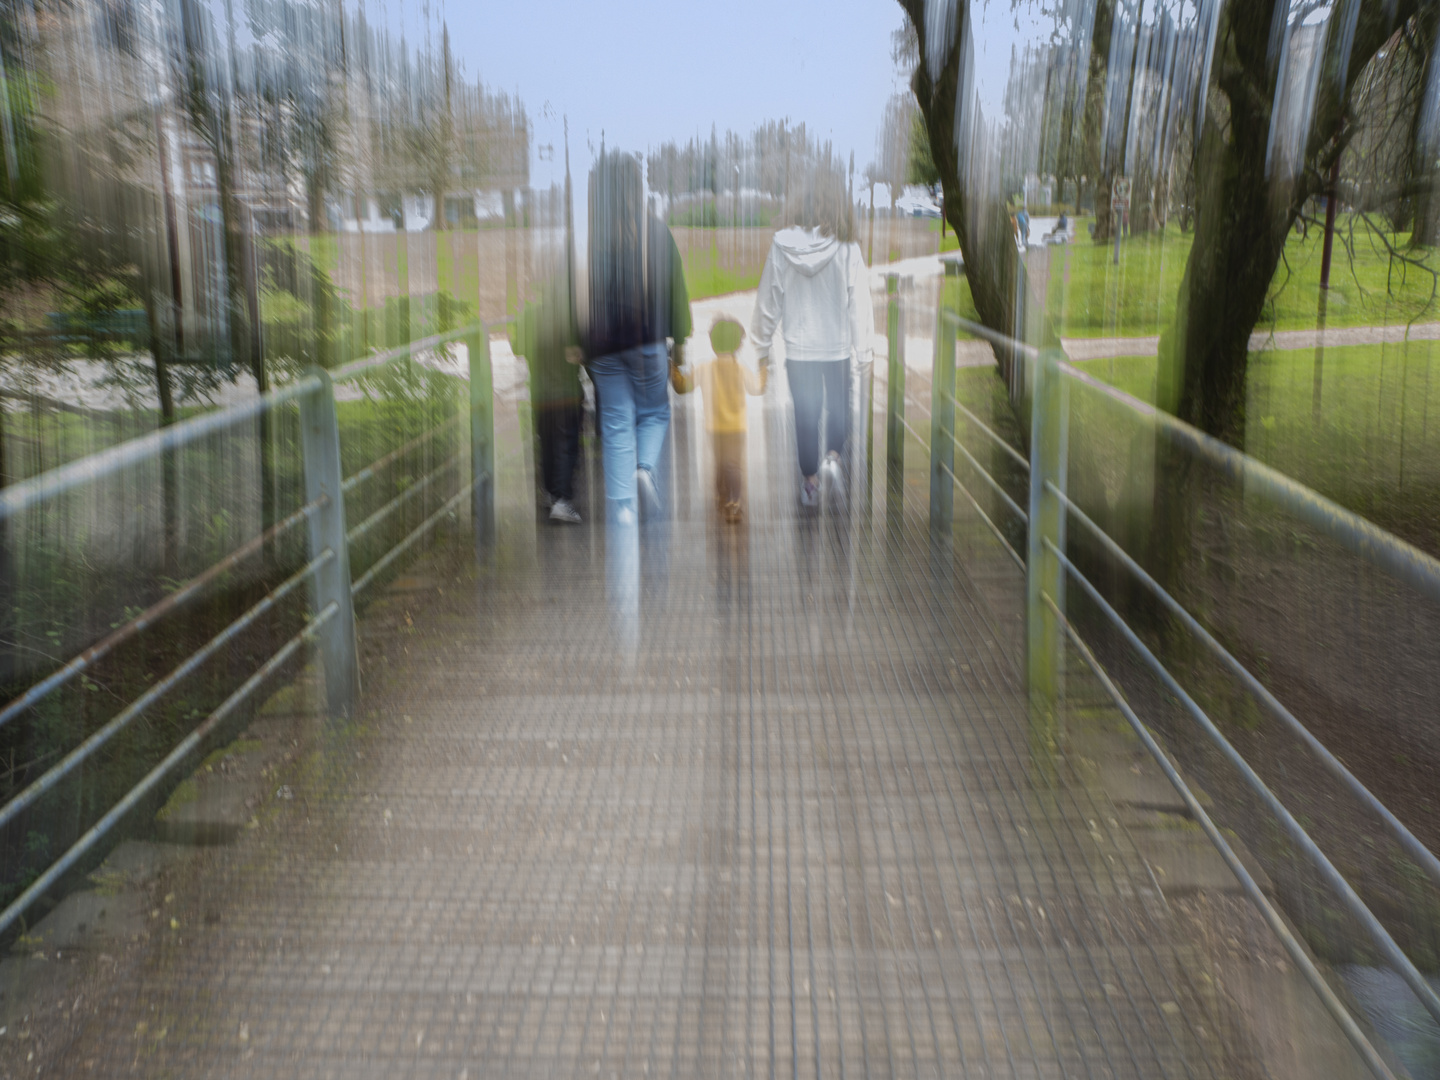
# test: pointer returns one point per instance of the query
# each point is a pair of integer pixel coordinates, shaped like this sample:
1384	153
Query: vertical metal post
870	445
1049	437
482	439
320	444
942	428
894	404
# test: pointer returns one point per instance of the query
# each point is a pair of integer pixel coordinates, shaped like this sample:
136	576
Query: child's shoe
809	493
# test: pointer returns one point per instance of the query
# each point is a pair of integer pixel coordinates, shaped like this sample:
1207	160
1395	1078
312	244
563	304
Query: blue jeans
634	414
814	383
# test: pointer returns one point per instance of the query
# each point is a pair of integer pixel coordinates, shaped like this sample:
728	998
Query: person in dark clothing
637	300
543	334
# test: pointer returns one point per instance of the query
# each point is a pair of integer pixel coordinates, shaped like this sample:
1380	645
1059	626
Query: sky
645	71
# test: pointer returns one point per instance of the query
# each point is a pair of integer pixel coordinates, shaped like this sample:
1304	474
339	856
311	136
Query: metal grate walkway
804	830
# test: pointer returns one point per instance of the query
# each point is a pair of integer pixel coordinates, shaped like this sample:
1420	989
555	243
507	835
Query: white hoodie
820	288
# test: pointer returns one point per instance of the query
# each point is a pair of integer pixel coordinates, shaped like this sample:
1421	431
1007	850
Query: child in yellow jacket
725	382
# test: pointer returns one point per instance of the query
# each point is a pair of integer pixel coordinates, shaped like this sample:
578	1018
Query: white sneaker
832	478
648	492
563	512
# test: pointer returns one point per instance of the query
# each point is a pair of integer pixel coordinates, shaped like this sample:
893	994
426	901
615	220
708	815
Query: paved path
805	828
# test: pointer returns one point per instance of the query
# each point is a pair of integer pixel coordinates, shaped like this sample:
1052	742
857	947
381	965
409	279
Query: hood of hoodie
806	250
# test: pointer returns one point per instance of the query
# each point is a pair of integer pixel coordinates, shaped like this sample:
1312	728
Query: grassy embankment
1374	447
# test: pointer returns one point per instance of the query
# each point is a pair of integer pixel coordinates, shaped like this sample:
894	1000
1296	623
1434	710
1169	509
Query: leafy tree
1244	212
921	169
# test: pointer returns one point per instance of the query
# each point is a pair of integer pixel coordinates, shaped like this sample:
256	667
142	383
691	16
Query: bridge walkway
794	820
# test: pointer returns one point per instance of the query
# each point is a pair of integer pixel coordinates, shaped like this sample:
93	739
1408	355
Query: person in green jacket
543	334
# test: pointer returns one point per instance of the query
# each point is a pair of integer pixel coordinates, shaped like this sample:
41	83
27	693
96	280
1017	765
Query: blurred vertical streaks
199	194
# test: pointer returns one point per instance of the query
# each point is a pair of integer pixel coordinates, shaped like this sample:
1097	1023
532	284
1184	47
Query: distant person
545	335
637	301
724	382
815	283
1022	222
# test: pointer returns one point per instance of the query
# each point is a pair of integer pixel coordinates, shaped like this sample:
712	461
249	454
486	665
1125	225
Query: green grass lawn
705	277
1376	445
1137	297
948	241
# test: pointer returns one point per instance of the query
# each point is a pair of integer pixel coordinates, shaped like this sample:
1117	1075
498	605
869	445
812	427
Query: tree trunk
1239	239
1105	218
1248	214
1421	172
982	227
160	355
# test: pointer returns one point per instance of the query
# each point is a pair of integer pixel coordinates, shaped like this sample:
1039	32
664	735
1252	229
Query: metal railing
1049	379
330	625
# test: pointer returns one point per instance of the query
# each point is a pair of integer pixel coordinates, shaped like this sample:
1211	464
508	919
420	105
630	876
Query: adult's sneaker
833	481
649	493
809	493
563	512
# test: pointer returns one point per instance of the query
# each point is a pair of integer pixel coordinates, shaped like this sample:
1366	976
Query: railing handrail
1366	539
37	489
1050	506
332	623
359	366
1408	840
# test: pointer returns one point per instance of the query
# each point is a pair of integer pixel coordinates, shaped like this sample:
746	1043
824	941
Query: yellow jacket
725	383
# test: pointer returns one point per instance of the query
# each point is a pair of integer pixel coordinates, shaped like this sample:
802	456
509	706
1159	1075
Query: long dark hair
618	300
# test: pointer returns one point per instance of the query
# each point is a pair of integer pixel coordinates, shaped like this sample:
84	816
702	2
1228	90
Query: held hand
574	355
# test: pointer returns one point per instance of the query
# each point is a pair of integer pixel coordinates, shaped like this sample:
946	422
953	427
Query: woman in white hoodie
816	287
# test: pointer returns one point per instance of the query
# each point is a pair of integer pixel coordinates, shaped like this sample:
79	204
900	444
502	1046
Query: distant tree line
173	158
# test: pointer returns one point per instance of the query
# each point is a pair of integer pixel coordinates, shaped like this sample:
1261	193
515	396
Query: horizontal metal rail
22	496
980	330
151	615
918	437
28	493
400	500
1276	922
996	438
986	518
107	463
1372	543
995	486
126	716
414	535
182	751
376	466
355	368
1378	934
1407	840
